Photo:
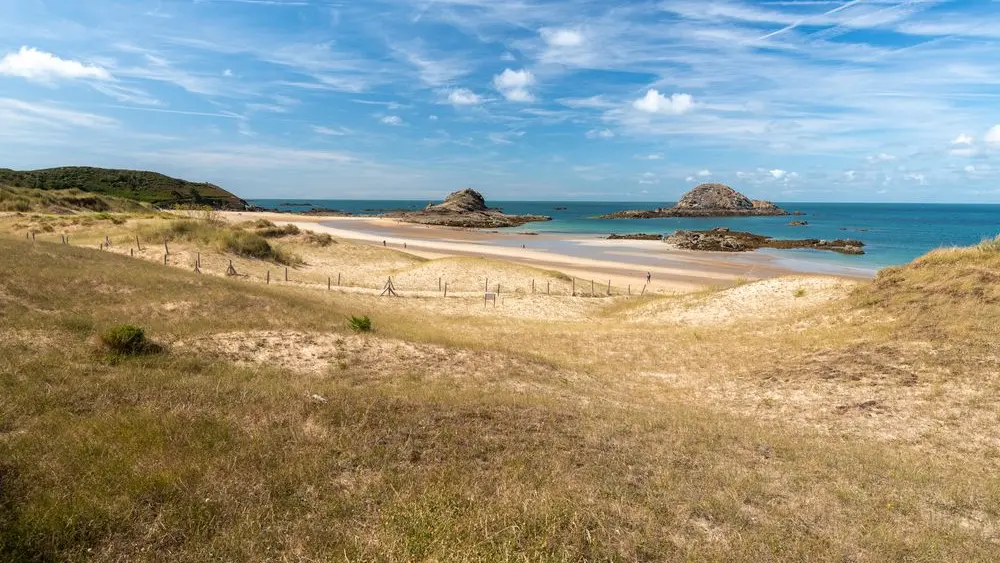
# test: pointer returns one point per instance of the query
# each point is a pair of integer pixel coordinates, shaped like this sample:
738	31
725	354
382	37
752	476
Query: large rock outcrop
466	208
706	200
724	240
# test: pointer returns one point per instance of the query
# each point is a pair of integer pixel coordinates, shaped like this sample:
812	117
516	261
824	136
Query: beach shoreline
619	262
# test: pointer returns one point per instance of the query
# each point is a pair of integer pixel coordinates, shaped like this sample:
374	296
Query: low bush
319	239
278	232
223	236
127	340
360	324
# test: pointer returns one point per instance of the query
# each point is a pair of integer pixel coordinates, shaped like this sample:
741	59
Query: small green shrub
319	239
127	340
259	224
360	324
247	244
800	292
278	232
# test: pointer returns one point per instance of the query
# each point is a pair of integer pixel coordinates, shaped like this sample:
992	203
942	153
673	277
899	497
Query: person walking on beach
649	277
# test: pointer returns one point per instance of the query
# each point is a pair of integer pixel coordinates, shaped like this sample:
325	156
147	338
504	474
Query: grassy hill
146	187
62	202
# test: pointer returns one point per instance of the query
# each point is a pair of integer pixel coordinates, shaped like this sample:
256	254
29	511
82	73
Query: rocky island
706	200
465	208
725	240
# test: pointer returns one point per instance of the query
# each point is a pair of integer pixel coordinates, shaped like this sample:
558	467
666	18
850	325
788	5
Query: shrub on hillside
360	324
319	239
278	232
127	340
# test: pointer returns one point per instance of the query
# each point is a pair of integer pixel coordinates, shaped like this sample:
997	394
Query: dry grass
848	430
62	202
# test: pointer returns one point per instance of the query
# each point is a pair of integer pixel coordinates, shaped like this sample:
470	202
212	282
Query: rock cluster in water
706	200
724	240
466	208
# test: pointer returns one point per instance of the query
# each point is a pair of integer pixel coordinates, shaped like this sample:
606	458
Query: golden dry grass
859	429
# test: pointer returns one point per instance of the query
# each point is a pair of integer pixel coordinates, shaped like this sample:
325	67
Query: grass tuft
360	323
128	340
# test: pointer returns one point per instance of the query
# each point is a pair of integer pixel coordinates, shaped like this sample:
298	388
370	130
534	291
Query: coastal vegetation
808	418
146	187
62	202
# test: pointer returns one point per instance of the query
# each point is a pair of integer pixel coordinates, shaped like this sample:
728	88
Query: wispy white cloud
993	135
562	37
655	102
31	64
464	97
331	131
514	84
392	120
14	112
600	134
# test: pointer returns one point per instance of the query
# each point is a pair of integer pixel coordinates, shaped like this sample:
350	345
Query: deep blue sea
894	233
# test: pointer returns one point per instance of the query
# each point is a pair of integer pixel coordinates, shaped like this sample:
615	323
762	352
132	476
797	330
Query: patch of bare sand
765	299
373	357
514	306
472	274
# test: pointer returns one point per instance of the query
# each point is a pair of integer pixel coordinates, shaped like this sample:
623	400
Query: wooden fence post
574	287
439	283
630	289
286	274
609	287
338	279
592	292
548	288
165	247
32	236
137	245
131	252
532	286
268	282
165	259
328	283
498	289
643	291
446	289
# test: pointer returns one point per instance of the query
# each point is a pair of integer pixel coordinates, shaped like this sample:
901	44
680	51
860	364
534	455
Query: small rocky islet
719	200
724	240
466	209
706	200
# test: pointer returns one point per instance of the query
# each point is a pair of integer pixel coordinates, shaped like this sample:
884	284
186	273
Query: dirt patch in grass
371	357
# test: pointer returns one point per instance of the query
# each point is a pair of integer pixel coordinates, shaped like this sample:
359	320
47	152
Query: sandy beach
620	262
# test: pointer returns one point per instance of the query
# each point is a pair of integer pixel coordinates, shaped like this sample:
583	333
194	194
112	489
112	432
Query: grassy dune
857	429
62	201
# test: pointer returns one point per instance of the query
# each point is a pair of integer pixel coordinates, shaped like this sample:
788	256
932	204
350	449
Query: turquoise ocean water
893	233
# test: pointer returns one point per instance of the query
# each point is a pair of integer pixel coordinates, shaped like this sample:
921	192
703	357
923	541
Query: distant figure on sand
649	276
383	243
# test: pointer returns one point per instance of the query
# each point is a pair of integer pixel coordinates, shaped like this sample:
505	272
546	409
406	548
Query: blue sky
797	100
